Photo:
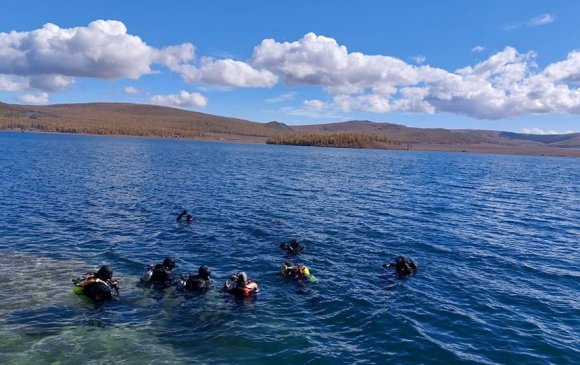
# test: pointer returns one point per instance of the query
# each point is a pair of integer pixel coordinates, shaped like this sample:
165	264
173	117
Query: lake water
496	238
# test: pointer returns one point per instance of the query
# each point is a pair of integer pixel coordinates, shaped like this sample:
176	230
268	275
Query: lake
496	238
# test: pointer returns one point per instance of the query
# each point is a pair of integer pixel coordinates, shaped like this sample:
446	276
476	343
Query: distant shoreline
459	148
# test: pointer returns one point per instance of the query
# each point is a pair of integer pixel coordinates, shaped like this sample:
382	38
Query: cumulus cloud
12	83
478	49
103	49
314	104
51	83
508	83
319	60
174	56
567	70
131	90
226	72
41	98
182	100
51	57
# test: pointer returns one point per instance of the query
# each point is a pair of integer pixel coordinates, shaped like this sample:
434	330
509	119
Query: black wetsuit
292	249
196	283
403	266
99	291
160	275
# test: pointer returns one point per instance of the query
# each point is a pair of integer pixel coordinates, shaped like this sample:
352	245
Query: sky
495	65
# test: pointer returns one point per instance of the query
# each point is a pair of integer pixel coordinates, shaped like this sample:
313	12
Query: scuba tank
182	282
146	277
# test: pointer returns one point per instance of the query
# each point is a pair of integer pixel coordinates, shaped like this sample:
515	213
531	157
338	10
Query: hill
158	121
455	140
130	119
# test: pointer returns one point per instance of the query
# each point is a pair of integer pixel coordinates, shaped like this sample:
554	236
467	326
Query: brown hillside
158	121
129	119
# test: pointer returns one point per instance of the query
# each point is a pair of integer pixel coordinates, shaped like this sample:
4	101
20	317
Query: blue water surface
496	238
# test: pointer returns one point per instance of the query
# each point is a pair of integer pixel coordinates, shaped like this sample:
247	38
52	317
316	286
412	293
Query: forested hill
129	119
158	121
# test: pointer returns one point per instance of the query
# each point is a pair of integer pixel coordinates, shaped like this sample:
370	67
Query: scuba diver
240	285
159	274
200	282
184	214
98	286
293	248
296	271
403	266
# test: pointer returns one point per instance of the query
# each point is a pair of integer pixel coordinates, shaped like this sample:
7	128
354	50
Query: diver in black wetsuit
200	282
98	286
293	248
188	217
159	274
403	266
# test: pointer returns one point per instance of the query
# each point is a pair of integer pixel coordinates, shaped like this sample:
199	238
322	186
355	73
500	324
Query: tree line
346	140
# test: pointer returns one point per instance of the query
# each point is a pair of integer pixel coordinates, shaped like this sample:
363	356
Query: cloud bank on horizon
509	83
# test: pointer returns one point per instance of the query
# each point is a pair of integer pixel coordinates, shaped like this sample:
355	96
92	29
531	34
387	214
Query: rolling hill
164	122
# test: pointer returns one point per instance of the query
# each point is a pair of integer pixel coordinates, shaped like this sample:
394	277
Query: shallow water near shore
496	238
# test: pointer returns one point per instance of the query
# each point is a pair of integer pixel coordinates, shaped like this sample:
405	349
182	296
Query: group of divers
100	285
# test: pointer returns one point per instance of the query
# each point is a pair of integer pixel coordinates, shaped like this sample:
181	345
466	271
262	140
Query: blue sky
501	65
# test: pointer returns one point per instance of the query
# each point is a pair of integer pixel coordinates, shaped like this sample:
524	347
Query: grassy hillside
439	136
129	119
157	121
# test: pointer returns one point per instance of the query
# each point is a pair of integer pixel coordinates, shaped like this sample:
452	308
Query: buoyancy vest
299	270
248	289
95	288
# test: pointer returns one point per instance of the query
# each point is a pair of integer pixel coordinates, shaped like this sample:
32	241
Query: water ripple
496	238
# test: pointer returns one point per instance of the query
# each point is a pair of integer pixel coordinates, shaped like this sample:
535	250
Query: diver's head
169	263
204	272
242	278
104	273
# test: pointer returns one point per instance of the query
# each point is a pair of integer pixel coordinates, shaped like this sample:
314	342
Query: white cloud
419	59
541	20
281	98
478	49
567	70
319	60
182	100
50	83
51	57
131	90
542	131
508	83
325	114
226	72
314	104
103	49
41	98
533	22
174	56
12	83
